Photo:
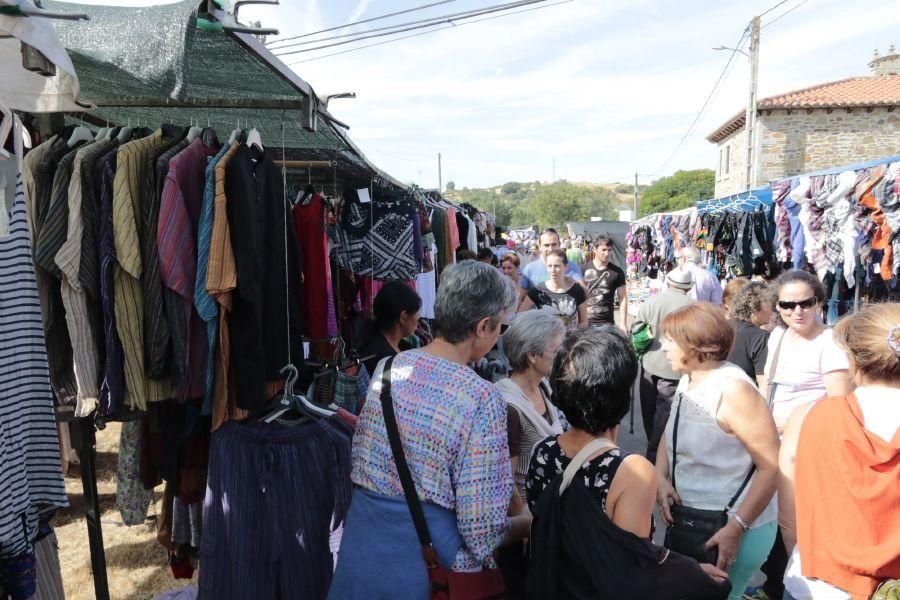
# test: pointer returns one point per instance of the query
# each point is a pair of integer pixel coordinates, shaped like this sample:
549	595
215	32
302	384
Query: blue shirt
536	272
206	305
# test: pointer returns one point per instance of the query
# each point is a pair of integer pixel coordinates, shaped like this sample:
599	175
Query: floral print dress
548	461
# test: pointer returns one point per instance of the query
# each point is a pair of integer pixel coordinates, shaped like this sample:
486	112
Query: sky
598	89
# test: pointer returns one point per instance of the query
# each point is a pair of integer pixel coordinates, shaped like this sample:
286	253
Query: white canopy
26	90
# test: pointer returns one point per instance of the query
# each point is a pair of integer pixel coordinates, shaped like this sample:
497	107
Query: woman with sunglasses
810	364
809	367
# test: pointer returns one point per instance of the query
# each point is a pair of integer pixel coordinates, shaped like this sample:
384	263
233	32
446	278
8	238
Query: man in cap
658	380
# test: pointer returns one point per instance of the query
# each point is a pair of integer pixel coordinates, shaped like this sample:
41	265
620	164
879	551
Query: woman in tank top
724	428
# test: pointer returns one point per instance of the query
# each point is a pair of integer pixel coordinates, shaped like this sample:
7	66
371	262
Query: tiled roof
847	93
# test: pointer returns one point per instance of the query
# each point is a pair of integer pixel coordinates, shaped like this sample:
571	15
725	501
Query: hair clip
892	339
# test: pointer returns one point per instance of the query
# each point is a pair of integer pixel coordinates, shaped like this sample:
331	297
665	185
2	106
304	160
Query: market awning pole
85	443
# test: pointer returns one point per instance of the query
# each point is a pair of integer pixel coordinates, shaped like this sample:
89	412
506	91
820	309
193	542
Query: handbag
445	584
641	339
692	527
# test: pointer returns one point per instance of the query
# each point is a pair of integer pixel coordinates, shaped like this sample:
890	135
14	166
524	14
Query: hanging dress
30	474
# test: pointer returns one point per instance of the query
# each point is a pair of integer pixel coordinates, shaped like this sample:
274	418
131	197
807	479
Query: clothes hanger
125	133
80	134
293	401
254	139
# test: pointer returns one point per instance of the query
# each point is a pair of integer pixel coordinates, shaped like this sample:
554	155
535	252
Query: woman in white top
810	365
724	429
858	556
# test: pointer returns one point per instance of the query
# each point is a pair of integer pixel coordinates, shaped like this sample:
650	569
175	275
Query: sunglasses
789	305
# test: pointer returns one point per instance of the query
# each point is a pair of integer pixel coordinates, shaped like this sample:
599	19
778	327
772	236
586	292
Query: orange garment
847	487
221	280
882	238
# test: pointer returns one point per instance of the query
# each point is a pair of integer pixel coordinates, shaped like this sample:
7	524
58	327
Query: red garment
847	487
454	231
309	224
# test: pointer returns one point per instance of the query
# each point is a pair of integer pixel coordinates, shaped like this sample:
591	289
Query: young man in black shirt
603	282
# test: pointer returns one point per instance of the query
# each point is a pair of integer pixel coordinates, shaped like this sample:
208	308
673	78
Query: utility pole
440	177
634	214
750	119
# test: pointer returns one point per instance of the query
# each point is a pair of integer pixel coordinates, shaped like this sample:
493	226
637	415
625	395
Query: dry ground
136	563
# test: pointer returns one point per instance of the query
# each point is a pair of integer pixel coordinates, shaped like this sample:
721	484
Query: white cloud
607	88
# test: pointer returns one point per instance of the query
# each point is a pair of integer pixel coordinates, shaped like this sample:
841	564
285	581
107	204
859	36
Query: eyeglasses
790	305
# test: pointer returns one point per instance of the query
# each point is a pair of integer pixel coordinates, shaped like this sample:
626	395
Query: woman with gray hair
530	344
452	431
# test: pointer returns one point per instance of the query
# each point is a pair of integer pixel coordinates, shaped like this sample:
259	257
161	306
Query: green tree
451	185
678	191
553	205
511	187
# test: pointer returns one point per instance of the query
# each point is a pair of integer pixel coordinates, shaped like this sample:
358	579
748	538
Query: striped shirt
30	475
179	214
205	304
112	393
68	259
453	427
221	280
130	174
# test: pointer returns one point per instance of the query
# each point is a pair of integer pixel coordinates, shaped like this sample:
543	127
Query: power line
431	20
412	27
378	18
785	13
772	8
705	103
404	37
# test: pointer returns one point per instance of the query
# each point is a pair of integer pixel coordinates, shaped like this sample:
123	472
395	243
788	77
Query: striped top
131	172
113	387
205	304
179	214
221	280
453	427
30	475
74	298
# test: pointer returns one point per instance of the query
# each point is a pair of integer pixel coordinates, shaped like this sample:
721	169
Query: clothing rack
304	164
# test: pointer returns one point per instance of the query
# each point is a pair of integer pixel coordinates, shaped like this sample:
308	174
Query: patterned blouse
453	427
549	461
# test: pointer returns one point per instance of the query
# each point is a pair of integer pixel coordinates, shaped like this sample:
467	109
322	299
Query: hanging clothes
85	328
267	535
30	474
112	395
318	299
378	239
179	218
206	306
131	173
266	327
157	341
221	280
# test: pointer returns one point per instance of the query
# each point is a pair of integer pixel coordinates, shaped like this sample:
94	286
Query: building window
727	159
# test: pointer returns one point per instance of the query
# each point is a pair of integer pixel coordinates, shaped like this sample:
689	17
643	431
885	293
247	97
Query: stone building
819	127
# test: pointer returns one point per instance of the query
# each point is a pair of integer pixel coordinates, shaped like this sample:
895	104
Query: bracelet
741	522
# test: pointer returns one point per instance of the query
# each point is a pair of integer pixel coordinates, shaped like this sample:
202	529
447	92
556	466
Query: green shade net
157	54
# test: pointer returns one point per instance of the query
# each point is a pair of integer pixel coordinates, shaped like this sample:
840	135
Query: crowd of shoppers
743	391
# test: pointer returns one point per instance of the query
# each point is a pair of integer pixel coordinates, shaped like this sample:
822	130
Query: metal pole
440	175
750	119
85	443
634	214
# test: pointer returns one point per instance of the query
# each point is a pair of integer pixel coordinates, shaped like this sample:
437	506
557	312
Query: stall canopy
49	83
591	230
164	63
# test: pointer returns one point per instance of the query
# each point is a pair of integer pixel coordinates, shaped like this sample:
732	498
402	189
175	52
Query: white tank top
711	464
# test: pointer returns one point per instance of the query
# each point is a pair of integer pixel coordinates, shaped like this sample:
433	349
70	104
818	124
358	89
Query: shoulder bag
445	584
692	527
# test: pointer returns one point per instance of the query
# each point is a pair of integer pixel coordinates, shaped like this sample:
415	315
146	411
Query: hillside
546	204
